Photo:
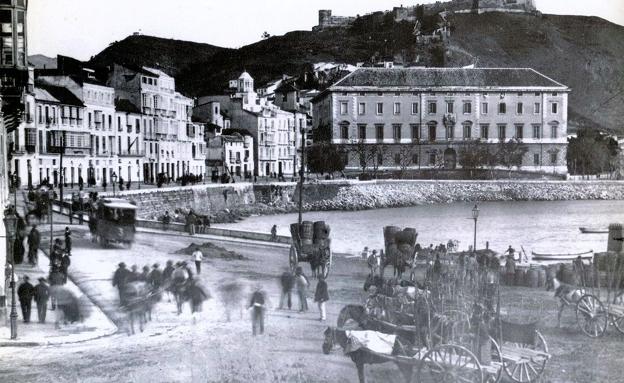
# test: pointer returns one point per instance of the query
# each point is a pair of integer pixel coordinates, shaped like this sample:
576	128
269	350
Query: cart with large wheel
311	243
601	301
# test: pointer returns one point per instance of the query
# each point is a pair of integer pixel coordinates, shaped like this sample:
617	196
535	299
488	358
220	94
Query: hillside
585	53
42	62
172	56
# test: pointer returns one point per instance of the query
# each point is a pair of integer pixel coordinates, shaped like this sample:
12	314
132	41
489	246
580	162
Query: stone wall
203	199
244	199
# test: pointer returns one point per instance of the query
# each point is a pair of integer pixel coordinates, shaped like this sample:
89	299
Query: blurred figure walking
302	283
257	305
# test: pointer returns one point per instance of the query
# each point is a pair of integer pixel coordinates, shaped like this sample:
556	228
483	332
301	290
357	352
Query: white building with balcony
174	146
273	130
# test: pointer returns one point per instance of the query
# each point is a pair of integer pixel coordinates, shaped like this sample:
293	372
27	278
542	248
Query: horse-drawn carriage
457	336
113	221
311	243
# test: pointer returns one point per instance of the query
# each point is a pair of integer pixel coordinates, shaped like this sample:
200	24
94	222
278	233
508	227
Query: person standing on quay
68	241
166	220
120	279
257	305
198	257
34	239
274	233
321	296
302	283
41	295
25	294
510	269
287	281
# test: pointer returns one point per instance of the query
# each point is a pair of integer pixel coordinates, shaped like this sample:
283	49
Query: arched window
432	125
344	130
554	129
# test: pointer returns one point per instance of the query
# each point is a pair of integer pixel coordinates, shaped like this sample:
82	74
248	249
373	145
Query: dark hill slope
171	56
584	53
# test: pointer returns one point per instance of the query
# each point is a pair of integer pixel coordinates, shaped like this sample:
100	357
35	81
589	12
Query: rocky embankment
400	194
225	204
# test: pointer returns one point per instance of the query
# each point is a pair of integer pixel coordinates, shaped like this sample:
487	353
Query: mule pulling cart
311	243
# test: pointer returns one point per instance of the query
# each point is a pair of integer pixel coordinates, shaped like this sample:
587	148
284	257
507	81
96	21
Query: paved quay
96	324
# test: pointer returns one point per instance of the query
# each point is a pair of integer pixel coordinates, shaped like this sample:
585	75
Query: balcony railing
30	119
148	110
98	125
64	120
132	153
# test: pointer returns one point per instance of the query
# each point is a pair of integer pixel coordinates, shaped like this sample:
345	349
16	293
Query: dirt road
174	349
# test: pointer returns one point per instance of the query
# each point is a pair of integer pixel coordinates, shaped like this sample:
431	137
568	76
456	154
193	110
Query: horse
138	303
361	357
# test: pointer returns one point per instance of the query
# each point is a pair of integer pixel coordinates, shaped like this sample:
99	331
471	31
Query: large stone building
432	113
274	130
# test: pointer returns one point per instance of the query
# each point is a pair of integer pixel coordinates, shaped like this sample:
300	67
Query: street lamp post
10	224
79	176
114	179
475	216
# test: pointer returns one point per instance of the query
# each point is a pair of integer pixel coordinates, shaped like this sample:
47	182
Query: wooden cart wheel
618	323
293	258
496	362
527	370
450	363
591	316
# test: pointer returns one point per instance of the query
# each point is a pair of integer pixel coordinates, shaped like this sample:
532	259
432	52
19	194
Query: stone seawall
227	203
382	194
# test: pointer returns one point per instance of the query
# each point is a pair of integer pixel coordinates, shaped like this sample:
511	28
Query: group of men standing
300	283
26	292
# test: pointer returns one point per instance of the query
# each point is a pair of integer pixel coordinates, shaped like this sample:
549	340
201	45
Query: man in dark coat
321	295
68	241
25	294
34	239
41	295
65	262
120	279
287	280
57	250
257	305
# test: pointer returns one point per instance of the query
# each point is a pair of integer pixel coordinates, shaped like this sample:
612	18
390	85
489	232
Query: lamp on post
10	225
114	179
475	216
29	167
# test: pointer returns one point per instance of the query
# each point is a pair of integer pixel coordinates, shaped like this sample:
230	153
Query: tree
324	158
473	155
405	157
511	153
592	152
265	35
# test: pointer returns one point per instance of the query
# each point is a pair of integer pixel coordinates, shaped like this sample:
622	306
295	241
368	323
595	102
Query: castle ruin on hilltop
401	13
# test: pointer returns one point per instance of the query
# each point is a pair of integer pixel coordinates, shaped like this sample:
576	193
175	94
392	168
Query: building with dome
275	131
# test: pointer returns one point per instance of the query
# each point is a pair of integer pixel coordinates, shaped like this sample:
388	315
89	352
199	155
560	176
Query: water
543	227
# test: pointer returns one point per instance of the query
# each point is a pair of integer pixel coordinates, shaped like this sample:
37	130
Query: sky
82	28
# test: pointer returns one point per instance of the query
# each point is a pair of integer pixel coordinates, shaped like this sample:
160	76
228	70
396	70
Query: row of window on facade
402	159
12	38
432	108
467	130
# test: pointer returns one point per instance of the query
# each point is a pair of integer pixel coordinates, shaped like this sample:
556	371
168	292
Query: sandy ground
174	349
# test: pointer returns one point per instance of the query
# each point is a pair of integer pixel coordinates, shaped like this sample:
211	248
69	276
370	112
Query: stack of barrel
312	234
533	276
401	242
